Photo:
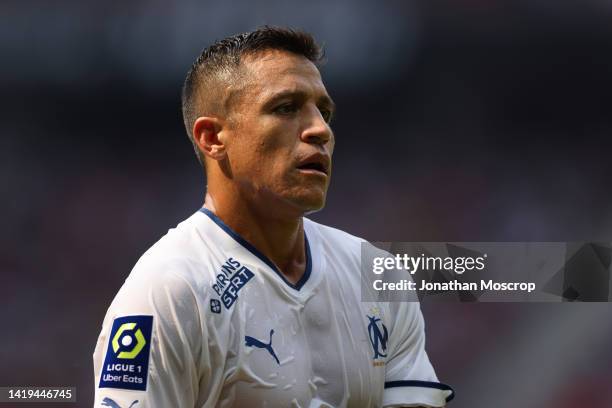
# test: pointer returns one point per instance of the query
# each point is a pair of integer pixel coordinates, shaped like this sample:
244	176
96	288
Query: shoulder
341	243
184	253
178	266
331	235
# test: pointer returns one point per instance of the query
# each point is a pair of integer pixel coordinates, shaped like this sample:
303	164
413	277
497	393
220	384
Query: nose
316	129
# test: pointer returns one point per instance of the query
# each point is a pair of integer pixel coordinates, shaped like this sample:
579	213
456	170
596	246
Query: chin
308	212
301	201
311	204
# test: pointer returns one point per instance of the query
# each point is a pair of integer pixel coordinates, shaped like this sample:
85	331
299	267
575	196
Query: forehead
272	71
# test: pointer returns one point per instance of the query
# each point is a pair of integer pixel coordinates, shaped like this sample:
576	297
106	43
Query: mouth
315	164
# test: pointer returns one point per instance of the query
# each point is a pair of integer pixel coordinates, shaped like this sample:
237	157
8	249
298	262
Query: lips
316	162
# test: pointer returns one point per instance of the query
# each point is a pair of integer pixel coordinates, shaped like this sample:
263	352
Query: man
247	303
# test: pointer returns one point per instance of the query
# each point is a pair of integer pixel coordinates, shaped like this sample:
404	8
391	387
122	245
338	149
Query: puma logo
107	402
253	342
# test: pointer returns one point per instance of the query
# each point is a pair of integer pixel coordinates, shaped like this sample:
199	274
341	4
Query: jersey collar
249	247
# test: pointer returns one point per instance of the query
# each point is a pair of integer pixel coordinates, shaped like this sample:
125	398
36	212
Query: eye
326	114
286	108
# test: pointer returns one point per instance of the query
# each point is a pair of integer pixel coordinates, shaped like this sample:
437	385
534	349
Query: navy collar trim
248	246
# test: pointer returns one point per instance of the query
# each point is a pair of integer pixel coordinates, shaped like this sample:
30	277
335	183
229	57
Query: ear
206	134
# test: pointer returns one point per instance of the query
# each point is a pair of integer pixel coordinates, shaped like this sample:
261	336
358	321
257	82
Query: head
258	115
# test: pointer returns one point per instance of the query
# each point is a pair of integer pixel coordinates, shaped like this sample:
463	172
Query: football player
247	303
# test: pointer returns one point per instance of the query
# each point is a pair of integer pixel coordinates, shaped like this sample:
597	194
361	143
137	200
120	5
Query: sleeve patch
126	365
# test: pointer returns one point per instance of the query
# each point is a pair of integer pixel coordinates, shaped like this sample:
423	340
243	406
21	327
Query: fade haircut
206	87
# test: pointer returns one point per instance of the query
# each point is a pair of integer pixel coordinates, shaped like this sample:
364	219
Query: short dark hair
224	56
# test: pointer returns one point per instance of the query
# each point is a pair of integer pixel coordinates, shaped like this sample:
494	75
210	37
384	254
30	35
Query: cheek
264	154
277	144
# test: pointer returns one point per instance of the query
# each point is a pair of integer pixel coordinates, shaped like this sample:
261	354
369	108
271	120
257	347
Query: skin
278	120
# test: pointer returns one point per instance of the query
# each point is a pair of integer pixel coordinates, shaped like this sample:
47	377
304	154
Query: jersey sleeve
410	379
150	348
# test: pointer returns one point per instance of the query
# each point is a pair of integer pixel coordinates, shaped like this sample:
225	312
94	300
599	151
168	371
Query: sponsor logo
253	342
215	306
232	278
127	358
107	402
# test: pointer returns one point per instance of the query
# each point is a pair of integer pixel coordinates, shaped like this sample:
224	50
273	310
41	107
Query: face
279	143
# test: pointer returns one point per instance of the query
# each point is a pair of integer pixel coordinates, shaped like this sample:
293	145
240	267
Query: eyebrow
324	100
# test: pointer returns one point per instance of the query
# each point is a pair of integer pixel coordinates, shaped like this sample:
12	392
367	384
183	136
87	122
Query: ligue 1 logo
126	365
132	341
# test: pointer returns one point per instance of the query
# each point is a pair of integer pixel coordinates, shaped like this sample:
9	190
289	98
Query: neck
281	239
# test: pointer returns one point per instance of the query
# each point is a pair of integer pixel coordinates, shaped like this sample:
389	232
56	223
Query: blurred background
458	120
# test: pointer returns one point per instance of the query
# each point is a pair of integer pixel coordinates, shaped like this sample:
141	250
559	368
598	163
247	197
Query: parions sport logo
233	277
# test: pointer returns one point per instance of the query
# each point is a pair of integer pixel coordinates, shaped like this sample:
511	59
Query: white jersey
206	320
